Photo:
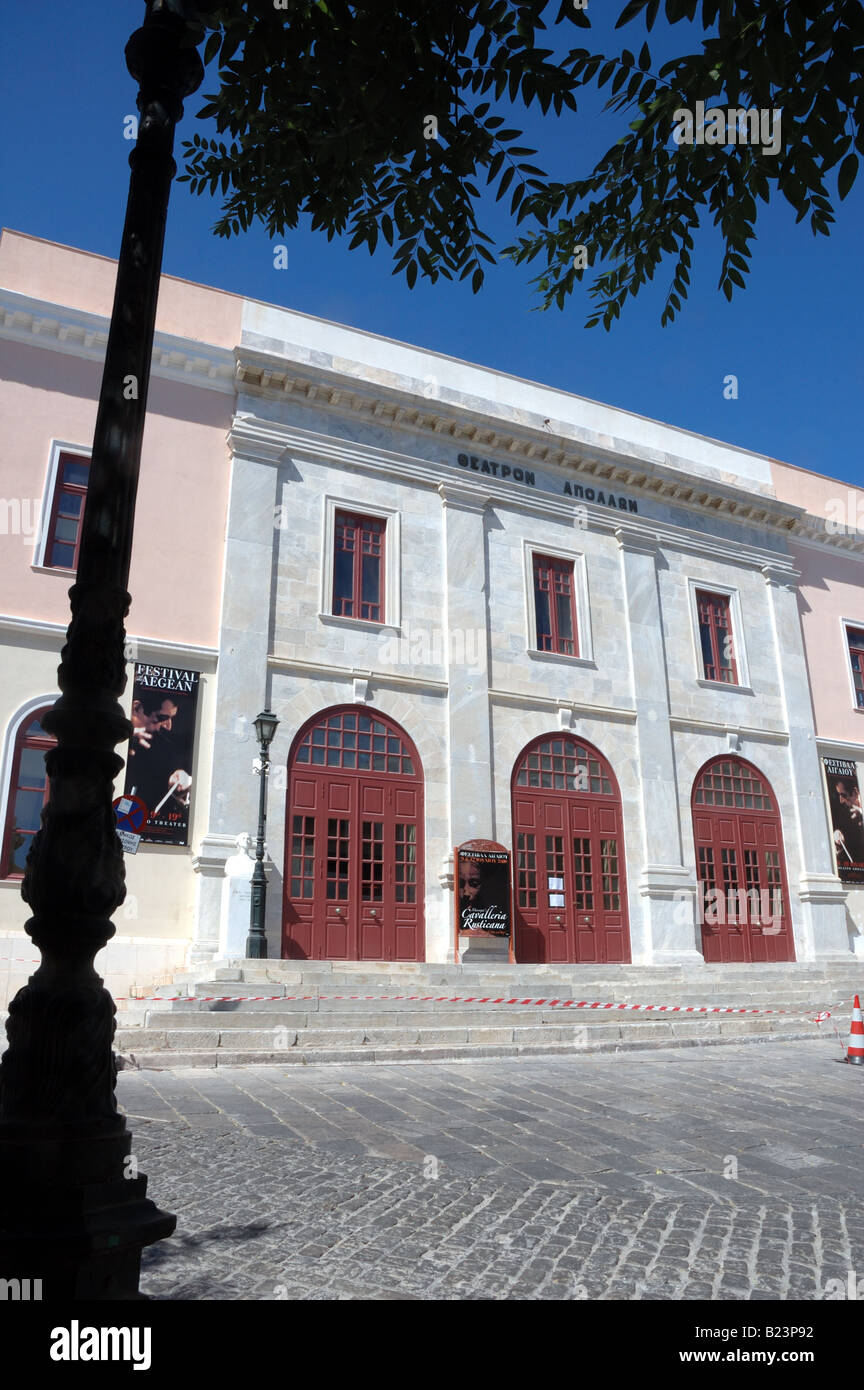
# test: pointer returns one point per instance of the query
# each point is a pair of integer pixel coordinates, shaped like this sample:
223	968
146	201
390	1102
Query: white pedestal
236	903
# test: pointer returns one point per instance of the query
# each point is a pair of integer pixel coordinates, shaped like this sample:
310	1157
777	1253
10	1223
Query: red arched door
568	842
353	841
740	864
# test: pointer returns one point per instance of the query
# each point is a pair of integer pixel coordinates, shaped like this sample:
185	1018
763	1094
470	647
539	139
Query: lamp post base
66	1224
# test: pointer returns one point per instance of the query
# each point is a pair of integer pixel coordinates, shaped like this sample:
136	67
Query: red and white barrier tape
467	999
821	1017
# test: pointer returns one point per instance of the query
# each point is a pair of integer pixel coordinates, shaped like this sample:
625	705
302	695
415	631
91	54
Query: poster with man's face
483	886
847	817
159	760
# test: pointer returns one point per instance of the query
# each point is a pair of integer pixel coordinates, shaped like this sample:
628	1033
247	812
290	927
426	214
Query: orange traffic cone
855	1053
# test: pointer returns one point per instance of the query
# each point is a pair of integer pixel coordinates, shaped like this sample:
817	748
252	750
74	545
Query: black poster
483	903
159	761
847	817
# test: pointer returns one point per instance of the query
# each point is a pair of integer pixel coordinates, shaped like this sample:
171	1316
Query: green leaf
846	175
211	47
505	182
630	11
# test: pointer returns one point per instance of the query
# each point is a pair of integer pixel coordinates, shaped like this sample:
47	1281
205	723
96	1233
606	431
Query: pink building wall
45	395
831	589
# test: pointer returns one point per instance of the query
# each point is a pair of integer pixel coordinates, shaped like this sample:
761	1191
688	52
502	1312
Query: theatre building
482	609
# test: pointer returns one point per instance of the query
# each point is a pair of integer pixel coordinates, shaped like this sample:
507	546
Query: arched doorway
568	849
740	864
353	841
25	793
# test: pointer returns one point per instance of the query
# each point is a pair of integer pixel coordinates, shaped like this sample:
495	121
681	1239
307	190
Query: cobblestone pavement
725	1175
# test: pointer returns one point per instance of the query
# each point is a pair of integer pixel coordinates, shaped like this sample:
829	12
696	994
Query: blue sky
793	338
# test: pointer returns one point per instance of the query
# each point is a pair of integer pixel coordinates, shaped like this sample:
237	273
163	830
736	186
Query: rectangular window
855	638
337	860
715	636
406	863
775	884
372	861
526	870
555	606
611	876
67	512
555	870
584	880
303	857
358	567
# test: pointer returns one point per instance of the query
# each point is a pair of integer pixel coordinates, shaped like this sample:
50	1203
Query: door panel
354	848
570	901
740	853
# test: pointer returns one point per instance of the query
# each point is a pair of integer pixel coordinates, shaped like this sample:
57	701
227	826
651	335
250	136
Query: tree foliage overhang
326	105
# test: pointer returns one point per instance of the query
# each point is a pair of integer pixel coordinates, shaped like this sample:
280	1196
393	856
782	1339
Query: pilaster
666	885
469	725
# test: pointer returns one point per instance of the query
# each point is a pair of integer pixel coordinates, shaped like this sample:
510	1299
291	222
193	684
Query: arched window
349	739
27	792
563	763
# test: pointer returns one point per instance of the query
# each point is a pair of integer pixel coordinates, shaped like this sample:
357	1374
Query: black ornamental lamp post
73	1209
256	942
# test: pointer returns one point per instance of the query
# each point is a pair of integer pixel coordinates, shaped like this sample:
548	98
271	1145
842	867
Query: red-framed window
555	605
28	792
715	637
855	638
358	567
67	512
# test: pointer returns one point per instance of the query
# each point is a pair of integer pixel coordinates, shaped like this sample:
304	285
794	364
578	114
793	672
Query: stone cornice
529	699
841	748
270	441
353	673
149	648
462	499
710	726
271	377
258	439
56	327
813	533
636	540
783	576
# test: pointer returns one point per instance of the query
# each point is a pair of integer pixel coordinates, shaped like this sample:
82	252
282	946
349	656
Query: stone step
238	1048
373	967
517	978
381	1018
512	983
418	1031
803	1000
